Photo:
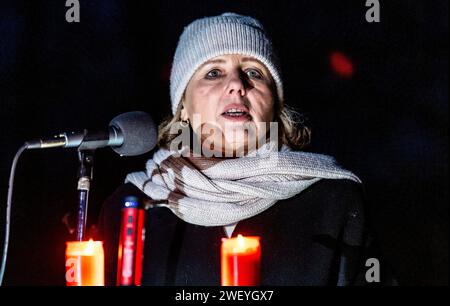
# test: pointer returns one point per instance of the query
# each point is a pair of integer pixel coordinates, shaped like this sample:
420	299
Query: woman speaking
229	162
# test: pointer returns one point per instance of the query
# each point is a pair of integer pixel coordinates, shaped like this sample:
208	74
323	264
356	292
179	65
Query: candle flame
240	242
90	247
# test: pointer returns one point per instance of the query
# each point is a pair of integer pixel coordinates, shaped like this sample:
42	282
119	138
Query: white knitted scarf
215	192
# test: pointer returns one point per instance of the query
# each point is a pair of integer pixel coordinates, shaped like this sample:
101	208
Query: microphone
128	134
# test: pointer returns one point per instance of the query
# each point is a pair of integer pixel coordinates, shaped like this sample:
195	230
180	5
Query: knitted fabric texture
210	37
215	192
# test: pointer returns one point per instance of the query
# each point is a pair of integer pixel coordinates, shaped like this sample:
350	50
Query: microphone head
138	131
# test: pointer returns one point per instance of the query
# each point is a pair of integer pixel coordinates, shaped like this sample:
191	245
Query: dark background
387	122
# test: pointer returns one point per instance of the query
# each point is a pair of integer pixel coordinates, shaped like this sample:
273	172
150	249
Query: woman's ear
183	115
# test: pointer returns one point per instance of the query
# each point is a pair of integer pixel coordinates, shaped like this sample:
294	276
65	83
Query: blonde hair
292	130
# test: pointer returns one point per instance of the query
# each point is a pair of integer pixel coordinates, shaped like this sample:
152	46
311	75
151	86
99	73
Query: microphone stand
85	175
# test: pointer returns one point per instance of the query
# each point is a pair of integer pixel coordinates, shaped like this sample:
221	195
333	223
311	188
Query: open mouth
236	114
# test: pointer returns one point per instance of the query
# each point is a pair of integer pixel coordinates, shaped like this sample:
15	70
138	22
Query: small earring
184	123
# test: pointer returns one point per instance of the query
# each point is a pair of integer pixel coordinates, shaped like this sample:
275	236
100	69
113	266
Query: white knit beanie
209	37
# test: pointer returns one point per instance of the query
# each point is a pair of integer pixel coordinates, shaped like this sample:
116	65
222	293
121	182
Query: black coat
318	237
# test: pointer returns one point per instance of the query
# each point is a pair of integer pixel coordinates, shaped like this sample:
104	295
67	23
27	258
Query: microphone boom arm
82	140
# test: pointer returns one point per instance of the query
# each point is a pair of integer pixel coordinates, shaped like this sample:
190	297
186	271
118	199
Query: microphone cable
8	210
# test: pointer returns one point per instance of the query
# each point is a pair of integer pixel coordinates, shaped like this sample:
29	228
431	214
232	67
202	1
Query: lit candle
85	263
240	261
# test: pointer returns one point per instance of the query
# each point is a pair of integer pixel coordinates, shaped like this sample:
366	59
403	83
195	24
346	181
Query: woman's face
230	103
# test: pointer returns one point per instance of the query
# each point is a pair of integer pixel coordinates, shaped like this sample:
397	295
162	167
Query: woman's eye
254	74
215	73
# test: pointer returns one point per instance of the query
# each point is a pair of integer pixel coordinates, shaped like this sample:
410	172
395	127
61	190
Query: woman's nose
236	84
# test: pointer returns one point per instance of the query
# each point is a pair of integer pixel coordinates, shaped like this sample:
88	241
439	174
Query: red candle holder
240	261
85	263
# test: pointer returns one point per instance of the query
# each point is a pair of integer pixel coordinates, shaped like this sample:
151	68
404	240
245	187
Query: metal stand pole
85	175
